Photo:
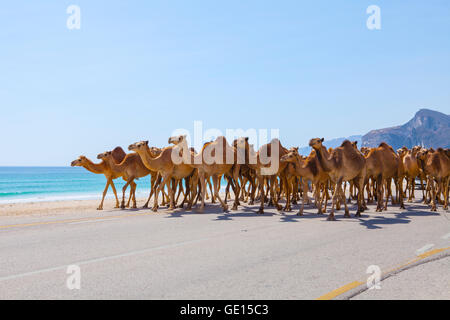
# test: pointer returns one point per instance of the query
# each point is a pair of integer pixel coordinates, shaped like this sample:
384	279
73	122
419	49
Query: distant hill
428	128
333	143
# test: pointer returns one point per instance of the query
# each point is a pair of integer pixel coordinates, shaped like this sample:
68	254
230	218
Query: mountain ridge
428	128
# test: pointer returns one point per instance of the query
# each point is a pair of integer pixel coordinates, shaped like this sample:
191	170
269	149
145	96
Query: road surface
138	254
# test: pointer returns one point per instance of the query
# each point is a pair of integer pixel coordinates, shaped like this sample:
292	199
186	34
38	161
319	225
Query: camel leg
152	190
433	194
401	195
132	195
216	181
273	182
164	180
289	190
100	207
333	201
261	189
410	188
446	193
237	190
423	189
115	194
123	192
344	200
203	189
300	212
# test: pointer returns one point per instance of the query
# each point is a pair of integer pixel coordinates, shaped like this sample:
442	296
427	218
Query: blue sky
140	69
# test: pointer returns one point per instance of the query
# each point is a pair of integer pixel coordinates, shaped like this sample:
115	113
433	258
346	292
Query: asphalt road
126	254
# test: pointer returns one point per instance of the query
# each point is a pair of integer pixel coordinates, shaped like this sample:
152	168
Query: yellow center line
335	293
71	220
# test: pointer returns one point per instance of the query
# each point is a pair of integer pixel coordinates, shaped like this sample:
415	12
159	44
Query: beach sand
50	208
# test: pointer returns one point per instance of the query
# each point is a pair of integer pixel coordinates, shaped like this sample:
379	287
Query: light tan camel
163	164
216	159
103	168
344	164
129	169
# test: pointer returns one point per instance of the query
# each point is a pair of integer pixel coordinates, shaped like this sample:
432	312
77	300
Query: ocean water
29	184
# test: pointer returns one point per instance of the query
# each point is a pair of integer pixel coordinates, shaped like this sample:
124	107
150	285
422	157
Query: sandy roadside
57	207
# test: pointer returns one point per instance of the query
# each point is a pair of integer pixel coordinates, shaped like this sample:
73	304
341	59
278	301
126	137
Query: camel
268	167
412	170
164	164
103	168
216	159
436	166
129	169
308	169
383	164
343	164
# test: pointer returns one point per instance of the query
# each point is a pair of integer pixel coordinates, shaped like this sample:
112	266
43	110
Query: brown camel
412	171
310	170
344	164
103	168
268	167
129	169
383	165
436	166
166	167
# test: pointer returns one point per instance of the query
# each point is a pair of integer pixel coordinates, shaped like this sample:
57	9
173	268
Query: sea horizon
20	184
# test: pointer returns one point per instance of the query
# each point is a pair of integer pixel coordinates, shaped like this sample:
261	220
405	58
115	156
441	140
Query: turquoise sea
28	184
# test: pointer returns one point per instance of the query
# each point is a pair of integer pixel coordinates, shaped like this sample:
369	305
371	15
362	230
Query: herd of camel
370	174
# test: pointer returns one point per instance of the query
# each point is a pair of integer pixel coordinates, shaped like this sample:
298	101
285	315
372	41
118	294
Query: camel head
104	155
402	151
416	149
291	156
176	140
141	145
422	154
365	151
79	162
316	143
241	143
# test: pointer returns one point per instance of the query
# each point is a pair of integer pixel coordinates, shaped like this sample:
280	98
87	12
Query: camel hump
118	154
384	145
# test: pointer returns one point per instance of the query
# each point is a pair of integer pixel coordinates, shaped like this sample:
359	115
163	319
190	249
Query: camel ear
322	140
146	143
246	139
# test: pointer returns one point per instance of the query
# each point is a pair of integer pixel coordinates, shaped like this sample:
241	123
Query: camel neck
96	168
327	164
152	163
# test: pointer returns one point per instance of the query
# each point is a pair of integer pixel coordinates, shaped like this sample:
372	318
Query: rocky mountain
428	128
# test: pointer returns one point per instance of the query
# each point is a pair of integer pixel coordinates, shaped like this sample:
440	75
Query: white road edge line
424	249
